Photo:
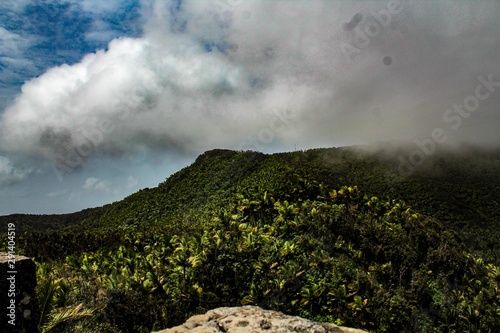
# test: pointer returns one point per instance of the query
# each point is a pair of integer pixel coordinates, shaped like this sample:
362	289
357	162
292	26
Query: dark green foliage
281	231
129	311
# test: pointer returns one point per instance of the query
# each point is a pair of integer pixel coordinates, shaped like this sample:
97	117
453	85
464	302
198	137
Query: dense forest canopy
335	234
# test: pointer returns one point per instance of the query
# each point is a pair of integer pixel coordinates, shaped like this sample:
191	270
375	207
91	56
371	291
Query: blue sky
101	98
38	35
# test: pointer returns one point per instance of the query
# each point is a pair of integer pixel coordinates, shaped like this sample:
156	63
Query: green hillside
333	234
460	189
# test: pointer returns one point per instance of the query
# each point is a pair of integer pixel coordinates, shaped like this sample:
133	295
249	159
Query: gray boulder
253	319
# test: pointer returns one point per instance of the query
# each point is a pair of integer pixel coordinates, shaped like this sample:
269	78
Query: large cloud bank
248	74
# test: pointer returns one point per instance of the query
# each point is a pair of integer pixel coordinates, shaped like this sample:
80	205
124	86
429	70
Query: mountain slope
462	189
322	234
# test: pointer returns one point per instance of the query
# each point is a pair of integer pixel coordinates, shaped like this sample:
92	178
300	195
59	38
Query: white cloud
95	184
14	5
98	7
90	183
57	193
165	91
10	173
100	31
13	45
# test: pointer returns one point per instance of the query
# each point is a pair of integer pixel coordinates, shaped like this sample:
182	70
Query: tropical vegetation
335	235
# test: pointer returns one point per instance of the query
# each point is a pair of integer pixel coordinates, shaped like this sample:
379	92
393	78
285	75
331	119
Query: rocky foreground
253	319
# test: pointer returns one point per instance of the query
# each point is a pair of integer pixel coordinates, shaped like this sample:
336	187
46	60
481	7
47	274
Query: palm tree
182	254
52	294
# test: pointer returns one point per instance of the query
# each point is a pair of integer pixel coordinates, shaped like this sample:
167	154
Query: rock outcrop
17	294
253	319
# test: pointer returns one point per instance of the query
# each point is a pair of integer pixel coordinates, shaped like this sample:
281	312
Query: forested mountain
352	235
459	188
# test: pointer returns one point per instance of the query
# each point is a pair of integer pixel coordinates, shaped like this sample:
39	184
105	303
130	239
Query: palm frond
46	291
65	315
